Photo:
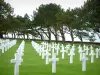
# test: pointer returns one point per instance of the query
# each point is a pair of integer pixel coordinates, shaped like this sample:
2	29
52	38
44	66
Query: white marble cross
40	50
5	46
69	45
67	48
73	48
43	52
79	47
3	50
53	49
53	60
49	47
92	56
2	47
57	49
80	52
91	47
17	62
97	53
47	54
84	47
20	52
71	54
44	44
87	50
55	44
62	45
84	58
63	52
8	43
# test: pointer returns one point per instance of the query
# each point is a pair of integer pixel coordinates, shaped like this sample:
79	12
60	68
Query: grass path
33	64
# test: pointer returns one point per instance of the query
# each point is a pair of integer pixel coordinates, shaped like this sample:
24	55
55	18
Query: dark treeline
52	19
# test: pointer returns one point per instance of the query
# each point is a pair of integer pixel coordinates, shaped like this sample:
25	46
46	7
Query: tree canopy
52	19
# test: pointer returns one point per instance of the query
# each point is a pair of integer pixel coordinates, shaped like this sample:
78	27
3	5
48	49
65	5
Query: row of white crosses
51	47
6	44
18	58
84	52
83	57
40	49
92	52
44	49
66	49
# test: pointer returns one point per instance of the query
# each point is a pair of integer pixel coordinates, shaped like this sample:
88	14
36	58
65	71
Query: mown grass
34	65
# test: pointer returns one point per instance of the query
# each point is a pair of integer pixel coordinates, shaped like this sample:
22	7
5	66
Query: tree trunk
56	36
71	34
39	34
45	32
14	35
27	36
49	33
81	39
24	36
41	37
98	35
62	34
1	35
7	35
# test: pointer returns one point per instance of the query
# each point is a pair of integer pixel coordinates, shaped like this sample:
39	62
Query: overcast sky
27	6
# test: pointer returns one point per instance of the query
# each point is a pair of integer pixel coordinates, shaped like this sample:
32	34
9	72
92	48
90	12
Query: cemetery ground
33	64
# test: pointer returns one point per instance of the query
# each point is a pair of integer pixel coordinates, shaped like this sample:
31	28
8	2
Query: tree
80	24
61	18
69	22
92	11
46	17
5	10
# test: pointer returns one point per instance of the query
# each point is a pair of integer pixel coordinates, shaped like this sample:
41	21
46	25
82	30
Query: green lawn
34	65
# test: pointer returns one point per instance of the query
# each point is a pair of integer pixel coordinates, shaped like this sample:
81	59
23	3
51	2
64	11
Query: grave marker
87	50
43	52
71	54
92	56
47	54
53	60
97	53
17	62
80	53
84	58
63	52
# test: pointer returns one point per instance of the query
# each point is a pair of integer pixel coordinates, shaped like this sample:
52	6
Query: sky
27	6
